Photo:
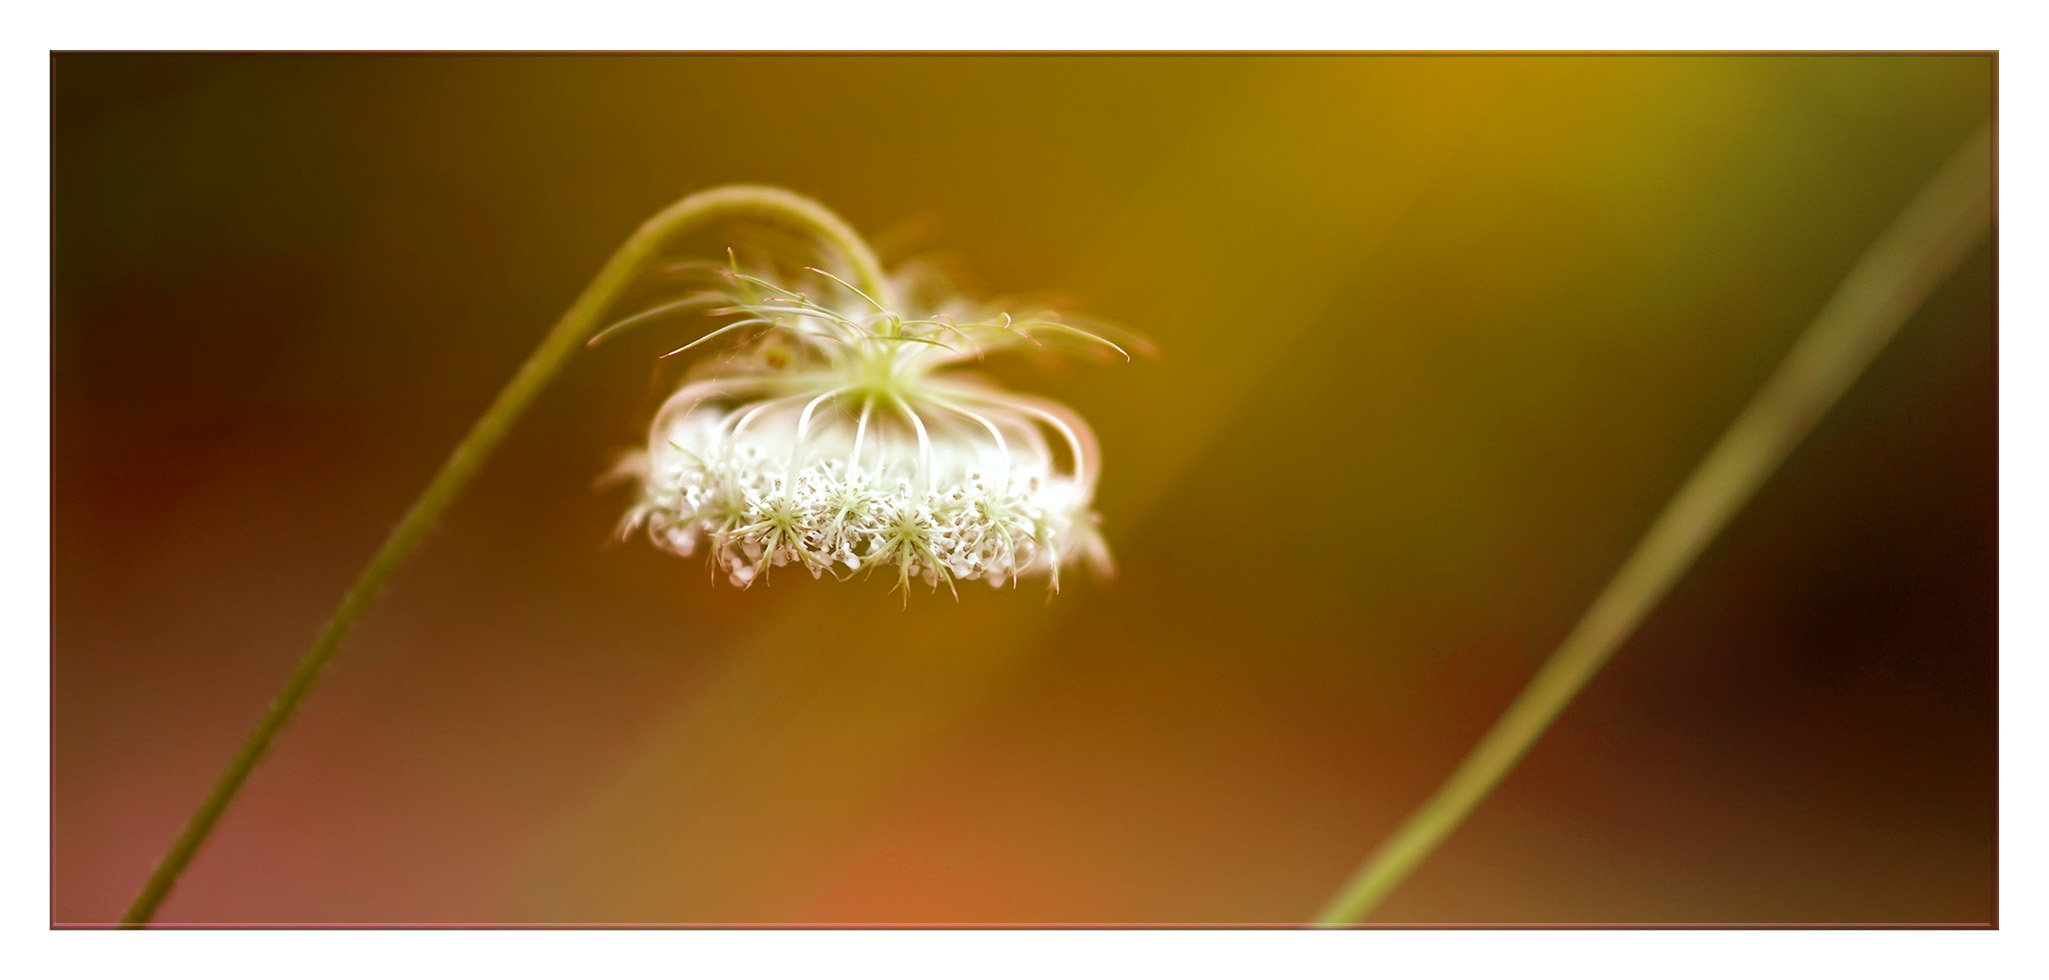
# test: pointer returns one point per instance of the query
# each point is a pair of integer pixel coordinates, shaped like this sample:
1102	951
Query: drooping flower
843	436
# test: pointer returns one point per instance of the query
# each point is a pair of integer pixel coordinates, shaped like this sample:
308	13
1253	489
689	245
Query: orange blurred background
1441	335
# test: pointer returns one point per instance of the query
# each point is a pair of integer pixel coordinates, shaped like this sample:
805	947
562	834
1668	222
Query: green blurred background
1440	336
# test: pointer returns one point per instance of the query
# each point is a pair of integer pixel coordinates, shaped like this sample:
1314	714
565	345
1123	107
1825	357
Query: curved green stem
569	334
1948	219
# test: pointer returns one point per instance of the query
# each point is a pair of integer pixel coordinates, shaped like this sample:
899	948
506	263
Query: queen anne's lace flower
842	440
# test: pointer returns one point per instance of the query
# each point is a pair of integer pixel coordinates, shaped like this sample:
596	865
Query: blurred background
1440	334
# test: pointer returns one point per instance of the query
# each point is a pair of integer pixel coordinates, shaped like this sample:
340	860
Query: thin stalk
1943	224
567	336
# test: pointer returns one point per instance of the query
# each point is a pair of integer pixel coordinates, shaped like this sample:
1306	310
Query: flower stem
1944	223
567	336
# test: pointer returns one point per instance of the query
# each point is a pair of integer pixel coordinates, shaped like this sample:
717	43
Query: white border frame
1276	25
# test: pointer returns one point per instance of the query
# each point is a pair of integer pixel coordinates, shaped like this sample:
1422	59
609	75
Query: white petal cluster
862	452
756	499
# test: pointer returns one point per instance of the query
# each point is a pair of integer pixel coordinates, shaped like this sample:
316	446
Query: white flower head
843	437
